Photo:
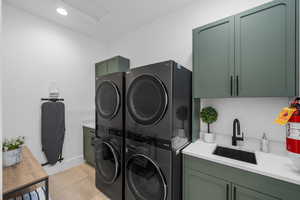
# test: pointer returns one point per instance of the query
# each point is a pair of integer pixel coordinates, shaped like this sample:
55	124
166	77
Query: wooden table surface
24	173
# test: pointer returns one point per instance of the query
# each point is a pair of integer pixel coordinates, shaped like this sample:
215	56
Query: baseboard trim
64	165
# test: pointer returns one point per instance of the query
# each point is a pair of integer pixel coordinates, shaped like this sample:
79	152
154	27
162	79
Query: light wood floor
77	183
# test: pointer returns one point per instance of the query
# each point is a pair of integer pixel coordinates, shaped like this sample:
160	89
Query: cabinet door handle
93	141
234	193
237	85
227	192
231	85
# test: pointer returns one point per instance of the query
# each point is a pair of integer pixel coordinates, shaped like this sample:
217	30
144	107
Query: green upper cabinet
101	69
213	49
112	65
265	50
252	54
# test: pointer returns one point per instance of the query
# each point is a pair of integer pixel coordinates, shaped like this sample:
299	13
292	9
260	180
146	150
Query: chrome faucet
237	136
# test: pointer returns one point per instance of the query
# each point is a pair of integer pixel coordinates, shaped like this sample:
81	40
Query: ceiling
102	19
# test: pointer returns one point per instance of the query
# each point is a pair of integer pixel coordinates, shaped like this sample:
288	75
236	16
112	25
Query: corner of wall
1	93
64	165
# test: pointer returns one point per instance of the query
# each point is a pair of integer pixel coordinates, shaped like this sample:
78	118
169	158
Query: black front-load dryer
109	102
158	101
109	145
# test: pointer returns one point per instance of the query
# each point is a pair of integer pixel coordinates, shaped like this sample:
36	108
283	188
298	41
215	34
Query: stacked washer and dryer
156	111
109	143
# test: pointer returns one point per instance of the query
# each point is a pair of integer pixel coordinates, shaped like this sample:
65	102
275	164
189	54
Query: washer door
145	179
107	162
147	99
107	100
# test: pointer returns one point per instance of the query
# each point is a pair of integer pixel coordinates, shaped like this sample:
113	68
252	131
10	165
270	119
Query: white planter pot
12	157
209	137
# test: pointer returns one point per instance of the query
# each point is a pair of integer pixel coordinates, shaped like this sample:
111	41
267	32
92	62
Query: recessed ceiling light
62	11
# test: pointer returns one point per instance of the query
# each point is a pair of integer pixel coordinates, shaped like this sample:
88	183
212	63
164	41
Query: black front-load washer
109	143
152	171
109	164
158	126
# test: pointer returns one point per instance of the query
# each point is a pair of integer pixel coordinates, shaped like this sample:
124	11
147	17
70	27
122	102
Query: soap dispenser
264	143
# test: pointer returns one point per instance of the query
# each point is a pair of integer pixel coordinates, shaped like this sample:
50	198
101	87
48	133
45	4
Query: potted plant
12	151
209	115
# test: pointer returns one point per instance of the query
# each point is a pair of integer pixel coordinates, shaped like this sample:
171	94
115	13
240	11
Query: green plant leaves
209	115
13	144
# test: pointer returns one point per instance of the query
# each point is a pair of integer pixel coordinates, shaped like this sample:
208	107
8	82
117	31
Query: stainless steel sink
236	154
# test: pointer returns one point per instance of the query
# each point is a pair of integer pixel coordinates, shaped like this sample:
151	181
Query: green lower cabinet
88	149
199	186
207	180
241	193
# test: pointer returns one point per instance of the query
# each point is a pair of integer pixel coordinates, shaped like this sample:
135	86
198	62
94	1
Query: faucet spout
237	136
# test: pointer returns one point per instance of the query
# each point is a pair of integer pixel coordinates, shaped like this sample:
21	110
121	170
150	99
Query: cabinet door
213	59
88	153
118	64
113	65
101	69
265	50
198	186
241	193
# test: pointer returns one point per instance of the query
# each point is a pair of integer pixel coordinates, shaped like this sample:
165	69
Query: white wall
170	37
38	52
1	93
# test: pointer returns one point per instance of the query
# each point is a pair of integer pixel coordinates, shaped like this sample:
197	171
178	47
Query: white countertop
278	167
89	124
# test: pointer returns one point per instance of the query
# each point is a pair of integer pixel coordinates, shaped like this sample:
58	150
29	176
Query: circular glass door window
107	100
147	99
107	162
144	179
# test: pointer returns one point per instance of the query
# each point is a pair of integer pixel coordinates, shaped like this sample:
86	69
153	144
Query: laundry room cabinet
201	186
112	65
204	179
88	149
242	193
251	54
214	59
